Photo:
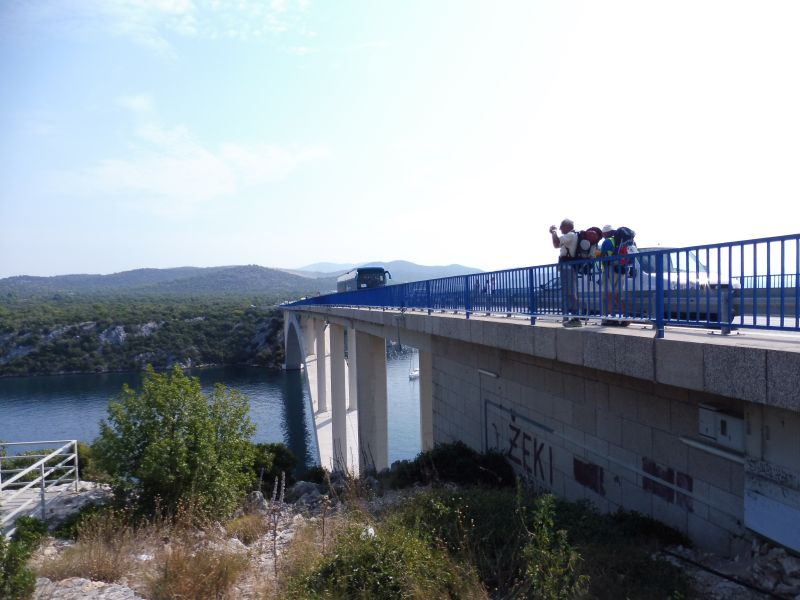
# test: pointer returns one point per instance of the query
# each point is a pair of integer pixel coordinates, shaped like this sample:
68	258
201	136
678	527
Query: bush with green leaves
269	461
455	462
383	563
171	444
552	565
17	581
522	548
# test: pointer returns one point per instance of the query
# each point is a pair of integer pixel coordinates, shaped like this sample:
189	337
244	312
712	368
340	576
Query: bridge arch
294	353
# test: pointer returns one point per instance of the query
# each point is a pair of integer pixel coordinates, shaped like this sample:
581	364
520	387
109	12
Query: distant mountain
326	267
226	281
210	281
402	271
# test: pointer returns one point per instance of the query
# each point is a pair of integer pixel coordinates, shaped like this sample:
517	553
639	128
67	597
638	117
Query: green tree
171	444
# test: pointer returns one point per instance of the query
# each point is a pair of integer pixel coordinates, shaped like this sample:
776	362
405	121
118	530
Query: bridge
691	414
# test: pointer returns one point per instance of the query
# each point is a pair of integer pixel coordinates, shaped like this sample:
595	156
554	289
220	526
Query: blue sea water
60	407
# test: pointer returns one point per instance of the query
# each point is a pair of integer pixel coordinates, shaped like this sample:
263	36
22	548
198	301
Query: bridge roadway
698	429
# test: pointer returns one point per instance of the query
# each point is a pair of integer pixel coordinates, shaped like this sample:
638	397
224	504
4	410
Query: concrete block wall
588	434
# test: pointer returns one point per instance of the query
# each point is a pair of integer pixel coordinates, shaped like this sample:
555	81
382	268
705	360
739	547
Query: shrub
390	563
455	462
477	525
70	526
30	531
88	466
551	564
16	580
269	461
315	475
172	444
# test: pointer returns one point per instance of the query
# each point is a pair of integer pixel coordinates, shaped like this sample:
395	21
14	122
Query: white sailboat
413	371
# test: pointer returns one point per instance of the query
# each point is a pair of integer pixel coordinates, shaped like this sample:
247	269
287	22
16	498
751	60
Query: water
60	407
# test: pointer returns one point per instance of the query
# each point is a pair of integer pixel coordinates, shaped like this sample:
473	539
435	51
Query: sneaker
572	323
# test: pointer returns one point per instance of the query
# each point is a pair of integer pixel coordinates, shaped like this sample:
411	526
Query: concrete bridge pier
338	398
426	399
322	377
352	370
373	428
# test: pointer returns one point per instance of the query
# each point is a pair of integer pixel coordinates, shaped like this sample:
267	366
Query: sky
165	133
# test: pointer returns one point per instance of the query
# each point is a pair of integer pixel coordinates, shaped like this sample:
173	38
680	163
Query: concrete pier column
426	400
338	398
352	370
322	375
373	428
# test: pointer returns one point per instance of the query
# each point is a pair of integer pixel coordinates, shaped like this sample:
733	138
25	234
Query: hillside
209	281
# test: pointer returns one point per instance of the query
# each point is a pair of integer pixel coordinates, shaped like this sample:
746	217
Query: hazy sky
162	133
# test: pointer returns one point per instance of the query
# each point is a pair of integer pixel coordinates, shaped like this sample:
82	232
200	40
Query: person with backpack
616	242
567	246
611	278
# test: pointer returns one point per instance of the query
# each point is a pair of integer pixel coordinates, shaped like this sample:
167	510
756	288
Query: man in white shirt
567	244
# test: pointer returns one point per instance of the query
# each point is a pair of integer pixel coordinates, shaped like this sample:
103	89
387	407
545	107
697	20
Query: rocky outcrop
77	588
113	335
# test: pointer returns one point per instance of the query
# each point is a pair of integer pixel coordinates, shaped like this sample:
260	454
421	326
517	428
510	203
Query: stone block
574	441
522	341
596	444
623	402
670	513
562	411
573	491
597	394
679	363
668	450
569	346
539	402
544	342
491	332
683	418
635	498
713	469
637	438
736	372
653	411
708	536
783	373
634	356
628	463
613	485
598	351
584	417
730	504
609	427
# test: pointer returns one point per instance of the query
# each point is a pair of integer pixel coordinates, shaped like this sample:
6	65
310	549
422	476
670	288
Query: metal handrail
12	488
741	284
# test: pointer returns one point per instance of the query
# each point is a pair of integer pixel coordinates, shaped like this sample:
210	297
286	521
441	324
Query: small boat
413	371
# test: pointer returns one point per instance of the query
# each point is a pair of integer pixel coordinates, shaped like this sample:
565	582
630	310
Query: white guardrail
19	482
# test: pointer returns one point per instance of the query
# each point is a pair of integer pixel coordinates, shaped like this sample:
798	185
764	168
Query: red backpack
587	242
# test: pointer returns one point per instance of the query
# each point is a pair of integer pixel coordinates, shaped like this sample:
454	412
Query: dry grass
105	546
205	573
248	528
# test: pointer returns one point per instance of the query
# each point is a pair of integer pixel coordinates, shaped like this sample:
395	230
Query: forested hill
214	281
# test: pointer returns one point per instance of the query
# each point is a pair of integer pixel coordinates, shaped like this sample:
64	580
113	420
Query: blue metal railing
751	283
